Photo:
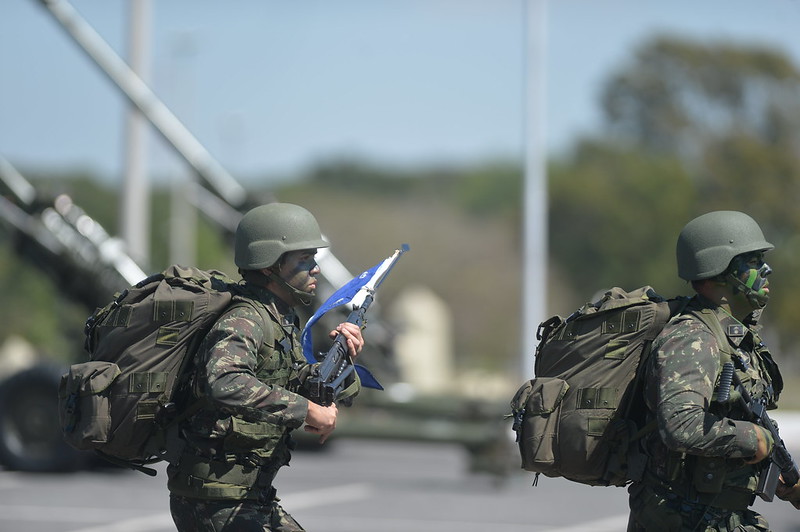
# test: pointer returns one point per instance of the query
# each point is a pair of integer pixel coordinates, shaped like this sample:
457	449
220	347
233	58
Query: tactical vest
280	359
253	451
716	481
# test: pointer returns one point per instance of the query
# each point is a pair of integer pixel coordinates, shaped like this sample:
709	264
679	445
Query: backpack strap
707	317
261	310
664	313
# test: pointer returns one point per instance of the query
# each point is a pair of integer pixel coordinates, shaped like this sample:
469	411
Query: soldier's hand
789	493
352	333
321	420
764	446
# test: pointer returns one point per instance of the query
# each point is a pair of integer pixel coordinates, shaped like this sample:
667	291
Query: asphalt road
354	486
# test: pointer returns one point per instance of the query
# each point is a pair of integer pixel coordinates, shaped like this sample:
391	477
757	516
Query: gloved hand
789	493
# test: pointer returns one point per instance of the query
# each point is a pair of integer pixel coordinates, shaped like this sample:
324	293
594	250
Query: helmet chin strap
303	298
757	297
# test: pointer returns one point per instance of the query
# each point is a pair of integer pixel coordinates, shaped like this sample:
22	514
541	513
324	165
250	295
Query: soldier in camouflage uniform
704	460
249	382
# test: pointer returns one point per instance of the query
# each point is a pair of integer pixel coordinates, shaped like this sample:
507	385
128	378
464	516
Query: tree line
689	127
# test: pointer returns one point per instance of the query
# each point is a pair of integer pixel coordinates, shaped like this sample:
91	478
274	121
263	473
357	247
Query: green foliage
33	309
614	216
676	95
730	115
690	127
492	188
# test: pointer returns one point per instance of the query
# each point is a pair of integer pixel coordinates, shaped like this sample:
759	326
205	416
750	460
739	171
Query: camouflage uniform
696	477
248	377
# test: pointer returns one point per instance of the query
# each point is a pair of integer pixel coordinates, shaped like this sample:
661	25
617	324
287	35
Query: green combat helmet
708	243
267	232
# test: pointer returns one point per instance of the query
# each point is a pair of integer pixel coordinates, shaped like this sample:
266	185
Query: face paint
749	274
297	271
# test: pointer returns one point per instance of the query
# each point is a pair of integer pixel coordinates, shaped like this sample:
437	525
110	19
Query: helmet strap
757	298
300	297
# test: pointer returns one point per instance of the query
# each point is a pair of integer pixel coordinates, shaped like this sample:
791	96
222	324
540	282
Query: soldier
249	382
704	460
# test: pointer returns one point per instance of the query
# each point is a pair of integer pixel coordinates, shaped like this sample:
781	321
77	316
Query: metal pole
135	212
183	216
534	273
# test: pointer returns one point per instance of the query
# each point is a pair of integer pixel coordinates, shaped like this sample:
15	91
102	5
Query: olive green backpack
582	415
125	402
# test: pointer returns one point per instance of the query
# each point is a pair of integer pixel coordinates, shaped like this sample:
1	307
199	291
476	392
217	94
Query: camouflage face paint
750	273
299	269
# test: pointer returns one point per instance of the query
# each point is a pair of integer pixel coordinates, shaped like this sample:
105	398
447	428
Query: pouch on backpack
537	431
85	414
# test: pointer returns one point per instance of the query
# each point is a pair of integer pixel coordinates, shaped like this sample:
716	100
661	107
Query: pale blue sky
270	87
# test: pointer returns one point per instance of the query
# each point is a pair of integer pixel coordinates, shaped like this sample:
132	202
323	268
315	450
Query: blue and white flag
354	291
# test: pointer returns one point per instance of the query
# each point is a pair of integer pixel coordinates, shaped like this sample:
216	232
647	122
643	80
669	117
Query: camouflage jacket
693	429
248	382
249	375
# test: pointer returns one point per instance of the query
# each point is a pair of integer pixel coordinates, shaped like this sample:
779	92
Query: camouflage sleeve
685	370
227	373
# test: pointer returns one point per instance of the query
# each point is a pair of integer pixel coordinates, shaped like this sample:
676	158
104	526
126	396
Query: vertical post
135	211
183	215
534	272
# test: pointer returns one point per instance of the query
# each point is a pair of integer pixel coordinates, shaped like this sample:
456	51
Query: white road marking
324	496
160	521
609	524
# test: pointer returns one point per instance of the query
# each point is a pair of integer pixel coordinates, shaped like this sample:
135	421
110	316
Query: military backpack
582	414
126	401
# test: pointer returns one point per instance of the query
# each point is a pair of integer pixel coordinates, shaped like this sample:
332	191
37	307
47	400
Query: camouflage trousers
653	511
198	515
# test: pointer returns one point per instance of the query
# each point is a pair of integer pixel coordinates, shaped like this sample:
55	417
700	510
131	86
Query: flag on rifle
353	292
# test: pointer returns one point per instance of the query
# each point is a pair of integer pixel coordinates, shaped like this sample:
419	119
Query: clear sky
272	86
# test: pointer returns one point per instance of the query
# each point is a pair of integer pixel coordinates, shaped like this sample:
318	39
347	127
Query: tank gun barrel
59	238
17	185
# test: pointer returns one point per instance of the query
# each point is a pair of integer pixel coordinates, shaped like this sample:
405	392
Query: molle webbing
627	321
212	479
597	397
163	312
147	383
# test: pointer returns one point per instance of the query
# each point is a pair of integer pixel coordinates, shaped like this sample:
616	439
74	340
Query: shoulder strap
726	352
266	319
664	313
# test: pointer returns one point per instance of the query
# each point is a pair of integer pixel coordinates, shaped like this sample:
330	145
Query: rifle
329	377
781	463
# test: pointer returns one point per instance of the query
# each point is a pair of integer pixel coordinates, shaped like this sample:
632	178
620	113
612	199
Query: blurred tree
717	124
614	214
678	96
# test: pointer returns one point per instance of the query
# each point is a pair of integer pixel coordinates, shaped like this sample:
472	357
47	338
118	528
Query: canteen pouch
535	407
83	403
